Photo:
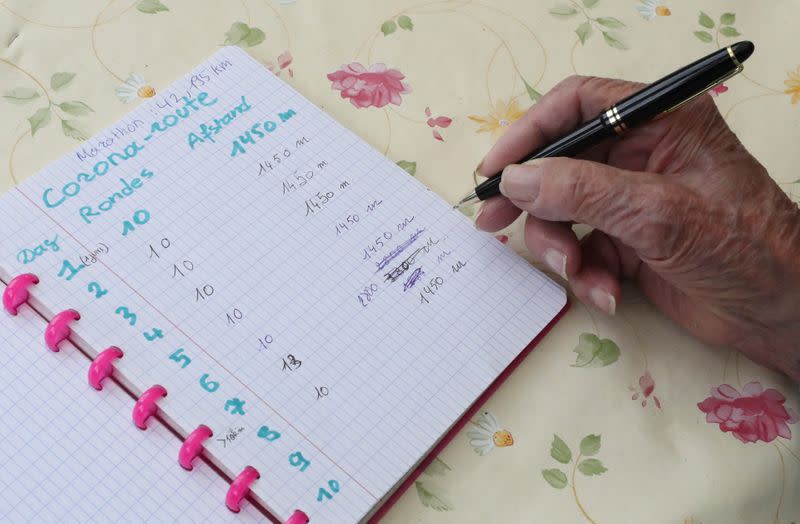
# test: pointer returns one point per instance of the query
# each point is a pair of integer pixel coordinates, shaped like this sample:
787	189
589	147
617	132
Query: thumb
643	210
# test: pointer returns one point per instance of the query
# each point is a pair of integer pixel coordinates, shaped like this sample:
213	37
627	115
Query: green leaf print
404	21
533	93
430	499
408	167
151	7
613	40
591	467
555	477
59	80
75	108
595	353
437	468
388	27
705	21
21	95
727	19
69	129
560	451
39	119
563	11
609	21
704	36
590	445
584	31
243	35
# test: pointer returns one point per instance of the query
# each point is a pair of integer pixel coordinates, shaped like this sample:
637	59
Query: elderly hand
678	205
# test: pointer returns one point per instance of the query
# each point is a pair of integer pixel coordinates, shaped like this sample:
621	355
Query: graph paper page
72	454
323	312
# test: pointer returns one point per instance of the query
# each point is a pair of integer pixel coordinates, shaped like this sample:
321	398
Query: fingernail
521	183
557	261
603	300
478	169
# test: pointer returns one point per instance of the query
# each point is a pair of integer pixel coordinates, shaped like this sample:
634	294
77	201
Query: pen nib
466	200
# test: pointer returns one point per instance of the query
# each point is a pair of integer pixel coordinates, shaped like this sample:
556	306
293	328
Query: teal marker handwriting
270	435
97	290
180	358
140	218
28	255
68	271
209	385
258	131
324	494
235	406
181	113
127	188
208	131
297	460
54	198
127	315
153	334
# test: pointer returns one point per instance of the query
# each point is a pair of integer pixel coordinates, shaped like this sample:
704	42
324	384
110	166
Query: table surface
601	423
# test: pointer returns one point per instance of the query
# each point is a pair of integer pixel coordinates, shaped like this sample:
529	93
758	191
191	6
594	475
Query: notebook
327	316
69	453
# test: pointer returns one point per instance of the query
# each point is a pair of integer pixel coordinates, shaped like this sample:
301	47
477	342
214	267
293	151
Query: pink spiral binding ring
58	329
103	366
240	487
16	292
146	406
298	517
193	446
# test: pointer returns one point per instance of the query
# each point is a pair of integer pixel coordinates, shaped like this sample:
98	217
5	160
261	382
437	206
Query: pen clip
715	83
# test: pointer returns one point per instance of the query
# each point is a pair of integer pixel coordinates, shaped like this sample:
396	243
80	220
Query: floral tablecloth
624	419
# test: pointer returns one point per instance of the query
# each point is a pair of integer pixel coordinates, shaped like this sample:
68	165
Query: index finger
562	109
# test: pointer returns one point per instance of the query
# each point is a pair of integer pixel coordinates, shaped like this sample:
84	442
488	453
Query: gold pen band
731	54
614	120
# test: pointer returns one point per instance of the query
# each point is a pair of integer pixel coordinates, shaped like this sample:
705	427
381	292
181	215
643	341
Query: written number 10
140	218
324	494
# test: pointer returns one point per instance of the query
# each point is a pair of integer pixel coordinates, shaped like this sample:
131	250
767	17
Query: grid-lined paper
72	454
268	270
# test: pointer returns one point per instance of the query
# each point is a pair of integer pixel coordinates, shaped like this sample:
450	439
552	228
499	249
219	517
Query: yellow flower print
133	88
488	435
653	8
502	115
793	85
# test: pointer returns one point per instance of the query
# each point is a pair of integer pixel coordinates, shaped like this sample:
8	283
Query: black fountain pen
662	96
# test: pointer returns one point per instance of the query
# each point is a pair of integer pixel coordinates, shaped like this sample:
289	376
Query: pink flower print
646	387
718	90
752	415
502	238
284	61
373	87
439	121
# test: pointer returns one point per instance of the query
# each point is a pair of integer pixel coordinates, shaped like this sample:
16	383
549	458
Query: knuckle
585	195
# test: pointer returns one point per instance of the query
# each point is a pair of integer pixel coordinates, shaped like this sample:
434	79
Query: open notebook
69	454
327	316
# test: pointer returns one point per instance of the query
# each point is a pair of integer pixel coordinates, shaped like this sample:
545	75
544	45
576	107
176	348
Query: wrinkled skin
678	206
